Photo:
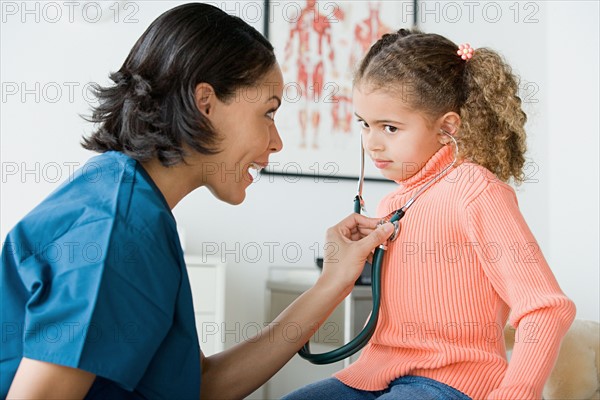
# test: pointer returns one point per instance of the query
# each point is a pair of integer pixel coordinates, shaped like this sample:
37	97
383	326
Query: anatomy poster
318	45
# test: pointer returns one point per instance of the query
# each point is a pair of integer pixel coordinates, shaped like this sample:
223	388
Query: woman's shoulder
106	189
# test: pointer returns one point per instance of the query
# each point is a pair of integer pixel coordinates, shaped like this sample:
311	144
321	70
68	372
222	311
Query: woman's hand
348	244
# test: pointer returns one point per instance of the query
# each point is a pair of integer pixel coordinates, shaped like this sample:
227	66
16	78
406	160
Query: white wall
573	130
557	56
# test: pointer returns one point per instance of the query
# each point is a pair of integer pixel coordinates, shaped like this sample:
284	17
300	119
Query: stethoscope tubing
365	334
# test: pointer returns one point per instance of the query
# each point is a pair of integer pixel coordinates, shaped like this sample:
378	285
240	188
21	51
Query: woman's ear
205	98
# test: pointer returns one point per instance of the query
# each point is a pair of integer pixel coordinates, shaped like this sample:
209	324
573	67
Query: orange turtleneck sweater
463	260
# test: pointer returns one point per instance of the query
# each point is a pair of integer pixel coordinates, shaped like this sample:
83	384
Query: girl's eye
363	124
390	129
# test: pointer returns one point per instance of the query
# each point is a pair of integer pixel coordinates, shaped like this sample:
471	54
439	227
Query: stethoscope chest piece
396	233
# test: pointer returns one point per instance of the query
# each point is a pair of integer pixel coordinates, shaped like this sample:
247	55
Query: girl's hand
348	244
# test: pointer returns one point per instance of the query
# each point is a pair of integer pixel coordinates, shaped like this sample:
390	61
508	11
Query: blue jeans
403	388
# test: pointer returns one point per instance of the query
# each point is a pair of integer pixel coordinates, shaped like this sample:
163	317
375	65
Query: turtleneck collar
440	160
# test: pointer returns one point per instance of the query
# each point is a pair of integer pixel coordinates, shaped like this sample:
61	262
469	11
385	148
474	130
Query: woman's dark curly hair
150	111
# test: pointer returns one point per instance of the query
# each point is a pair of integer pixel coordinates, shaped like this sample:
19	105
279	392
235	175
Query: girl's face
249	136
398	140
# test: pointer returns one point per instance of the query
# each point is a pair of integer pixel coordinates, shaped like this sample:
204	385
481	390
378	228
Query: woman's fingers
351	242
355	226
375	238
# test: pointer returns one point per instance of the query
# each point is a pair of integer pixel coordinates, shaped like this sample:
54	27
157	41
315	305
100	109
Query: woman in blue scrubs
96	302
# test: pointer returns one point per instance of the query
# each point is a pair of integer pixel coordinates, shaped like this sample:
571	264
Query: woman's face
249	136
398	140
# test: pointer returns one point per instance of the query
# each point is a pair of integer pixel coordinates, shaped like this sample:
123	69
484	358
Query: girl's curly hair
431	78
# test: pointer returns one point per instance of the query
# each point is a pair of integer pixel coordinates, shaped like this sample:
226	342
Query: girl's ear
449	124
205	98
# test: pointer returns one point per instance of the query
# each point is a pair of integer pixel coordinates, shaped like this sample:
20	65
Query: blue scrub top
94	278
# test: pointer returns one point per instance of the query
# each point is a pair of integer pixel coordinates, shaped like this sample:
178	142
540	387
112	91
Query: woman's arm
41	380
239	371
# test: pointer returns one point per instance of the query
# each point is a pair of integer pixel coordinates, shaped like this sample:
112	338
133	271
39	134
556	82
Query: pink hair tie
465	51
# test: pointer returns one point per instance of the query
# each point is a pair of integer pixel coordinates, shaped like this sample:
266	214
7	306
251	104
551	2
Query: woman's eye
271	115
390	129
363	124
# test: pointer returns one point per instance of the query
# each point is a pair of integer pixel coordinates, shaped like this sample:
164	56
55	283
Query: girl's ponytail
493	132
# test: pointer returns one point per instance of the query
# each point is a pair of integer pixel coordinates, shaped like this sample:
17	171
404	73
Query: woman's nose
276	143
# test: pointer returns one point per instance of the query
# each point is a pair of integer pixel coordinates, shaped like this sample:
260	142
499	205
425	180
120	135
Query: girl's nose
372	141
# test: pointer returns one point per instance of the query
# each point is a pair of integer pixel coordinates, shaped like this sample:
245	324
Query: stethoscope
394	217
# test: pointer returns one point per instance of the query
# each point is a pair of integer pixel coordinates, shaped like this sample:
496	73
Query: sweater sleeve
516	268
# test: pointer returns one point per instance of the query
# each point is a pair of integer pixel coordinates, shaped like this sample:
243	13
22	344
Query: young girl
464	257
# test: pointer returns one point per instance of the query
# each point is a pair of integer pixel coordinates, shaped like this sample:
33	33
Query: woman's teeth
254	171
